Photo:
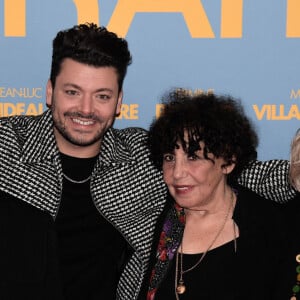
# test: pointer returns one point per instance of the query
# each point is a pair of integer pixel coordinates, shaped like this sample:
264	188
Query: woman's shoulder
252	207
293	204
253	200
291	211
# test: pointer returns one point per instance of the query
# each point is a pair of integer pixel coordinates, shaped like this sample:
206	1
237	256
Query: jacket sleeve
28	256
269	179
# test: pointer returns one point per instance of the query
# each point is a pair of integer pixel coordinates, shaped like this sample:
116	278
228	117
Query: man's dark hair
91	45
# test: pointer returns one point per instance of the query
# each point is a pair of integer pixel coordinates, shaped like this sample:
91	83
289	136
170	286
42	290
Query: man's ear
119	103
49	93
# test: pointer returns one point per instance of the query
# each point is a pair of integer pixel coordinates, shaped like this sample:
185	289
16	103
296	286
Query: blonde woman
292	211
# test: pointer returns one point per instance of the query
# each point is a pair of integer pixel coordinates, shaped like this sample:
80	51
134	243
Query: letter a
192	10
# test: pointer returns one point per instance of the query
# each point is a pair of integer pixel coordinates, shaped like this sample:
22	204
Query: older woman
215	240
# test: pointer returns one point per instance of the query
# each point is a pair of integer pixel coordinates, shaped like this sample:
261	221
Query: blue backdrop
249	49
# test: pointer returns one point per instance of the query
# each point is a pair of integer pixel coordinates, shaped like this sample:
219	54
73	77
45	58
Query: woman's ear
227	169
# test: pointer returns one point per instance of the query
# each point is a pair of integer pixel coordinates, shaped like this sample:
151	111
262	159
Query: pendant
180	289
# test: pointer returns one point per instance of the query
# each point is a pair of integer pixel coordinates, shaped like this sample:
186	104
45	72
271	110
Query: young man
78	199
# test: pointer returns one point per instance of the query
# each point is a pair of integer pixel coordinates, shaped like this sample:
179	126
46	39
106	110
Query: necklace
180	287
77	181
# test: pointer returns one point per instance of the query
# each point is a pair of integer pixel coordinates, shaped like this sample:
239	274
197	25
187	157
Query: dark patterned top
263	256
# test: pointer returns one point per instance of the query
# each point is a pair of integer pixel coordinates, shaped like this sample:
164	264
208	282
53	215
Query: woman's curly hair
217	121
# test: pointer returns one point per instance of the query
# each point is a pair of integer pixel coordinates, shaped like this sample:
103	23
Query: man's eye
71	92
103	97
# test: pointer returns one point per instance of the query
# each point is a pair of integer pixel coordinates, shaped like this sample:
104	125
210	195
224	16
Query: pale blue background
260	68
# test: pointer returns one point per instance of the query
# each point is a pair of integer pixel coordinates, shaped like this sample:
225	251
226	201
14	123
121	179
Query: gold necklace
180	287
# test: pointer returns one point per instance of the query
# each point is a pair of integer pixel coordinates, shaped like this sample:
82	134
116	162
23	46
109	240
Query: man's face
84	103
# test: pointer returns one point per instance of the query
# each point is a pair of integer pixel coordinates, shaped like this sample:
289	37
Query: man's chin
83	141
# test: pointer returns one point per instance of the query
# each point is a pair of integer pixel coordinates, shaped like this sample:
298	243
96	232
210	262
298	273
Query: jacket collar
40	144
114	150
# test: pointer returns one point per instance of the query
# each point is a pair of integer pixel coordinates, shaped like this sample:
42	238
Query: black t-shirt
90	248
212	279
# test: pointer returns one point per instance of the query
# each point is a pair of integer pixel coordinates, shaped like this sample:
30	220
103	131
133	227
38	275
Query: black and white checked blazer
126	188
269	179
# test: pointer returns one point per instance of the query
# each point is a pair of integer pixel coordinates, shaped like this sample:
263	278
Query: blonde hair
294	174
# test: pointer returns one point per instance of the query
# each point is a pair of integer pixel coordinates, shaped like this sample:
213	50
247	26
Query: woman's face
193	181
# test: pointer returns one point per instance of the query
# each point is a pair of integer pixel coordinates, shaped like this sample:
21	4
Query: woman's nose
179	170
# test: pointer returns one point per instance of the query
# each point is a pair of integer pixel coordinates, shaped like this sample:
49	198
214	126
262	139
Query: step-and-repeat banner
249	49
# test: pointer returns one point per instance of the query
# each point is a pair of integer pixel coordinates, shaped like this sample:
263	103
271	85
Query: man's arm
269	179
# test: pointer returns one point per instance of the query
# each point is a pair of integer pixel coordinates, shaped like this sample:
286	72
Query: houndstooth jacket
126	188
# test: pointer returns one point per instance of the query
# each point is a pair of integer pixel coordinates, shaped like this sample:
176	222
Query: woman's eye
194	157
168	157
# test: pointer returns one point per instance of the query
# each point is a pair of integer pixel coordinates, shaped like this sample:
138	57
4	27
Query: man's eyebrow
104	90
72	85
79	88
